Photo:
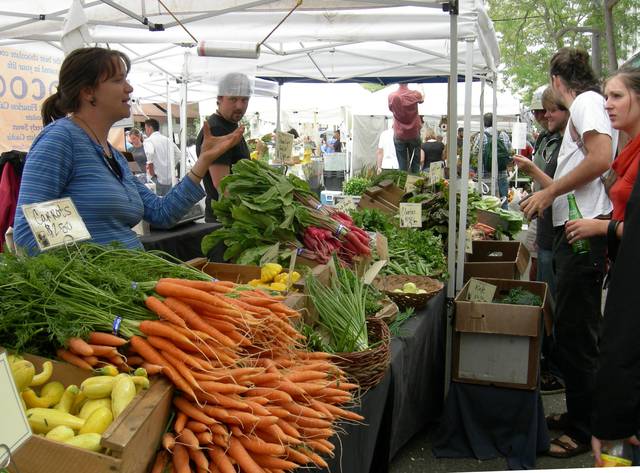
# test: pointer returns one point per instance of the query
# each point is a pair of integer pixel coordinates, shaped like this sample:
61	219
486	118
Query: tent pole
278	106
494	138
451	143
480	141
172	156
183	116
466	148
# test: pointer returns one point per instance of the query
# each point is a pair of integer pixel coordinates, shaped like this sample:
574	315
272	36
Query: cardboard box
496	259
498	344
132	439
385	197
492	219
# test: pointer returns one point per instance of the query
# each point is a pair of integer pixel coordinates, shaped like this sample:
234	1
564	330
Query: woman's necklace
106	153
111	162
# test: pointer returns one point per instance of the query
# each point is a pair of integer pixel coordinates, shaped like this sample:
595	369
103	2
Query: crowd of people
595	356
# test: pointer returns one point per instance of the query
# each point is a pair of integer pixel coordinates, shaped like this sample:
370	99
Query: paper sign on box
480	291
55	223
410	215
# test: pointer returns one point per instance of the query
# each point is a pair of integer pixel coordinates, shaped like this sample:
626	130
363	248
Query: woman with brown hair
431	150
71	156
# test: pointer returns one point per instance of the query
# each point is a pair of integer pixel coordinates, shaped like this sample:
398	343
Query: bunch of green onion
341	310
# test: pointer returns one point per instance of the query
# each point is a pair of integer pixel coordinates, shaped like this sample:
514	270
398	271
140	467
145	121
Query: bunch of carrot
100	349
251	399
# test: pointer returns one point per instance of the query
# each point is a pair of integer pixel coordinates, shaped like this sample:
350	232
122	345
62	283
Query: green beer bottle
580	246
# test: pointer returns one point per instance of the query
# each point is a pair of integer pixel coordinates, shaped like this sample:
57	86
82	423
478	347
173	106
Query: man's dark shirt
219	127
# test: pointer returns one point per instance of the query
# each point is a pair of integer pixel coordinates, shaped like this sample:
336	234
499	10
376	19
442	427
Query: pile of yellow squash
272	277
75	415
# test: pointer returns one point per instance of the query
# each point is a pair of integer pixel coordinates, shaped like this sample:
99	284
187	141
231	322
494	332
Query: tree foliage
527	30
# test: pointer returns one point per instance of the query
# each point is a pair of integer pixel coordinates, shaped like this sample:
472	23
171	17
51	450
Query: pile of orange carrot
251	399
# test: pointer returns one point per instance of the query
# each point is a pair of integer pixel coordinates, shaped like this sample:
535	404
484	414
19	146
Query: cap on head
235	84
536	98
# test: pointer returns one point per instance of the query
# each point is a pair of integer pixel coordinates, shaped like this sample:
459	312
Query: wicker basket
367	368
387	284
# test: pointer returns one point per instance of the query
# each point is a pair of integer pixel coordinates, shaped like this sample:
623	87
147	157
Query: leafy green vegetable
356	186
398	177
519	296
373	220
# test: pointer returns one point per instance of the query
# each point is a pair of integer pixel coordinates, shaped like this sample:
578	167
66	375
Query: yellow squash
87	441
23	372
107	370
123	393
93	404
98	387
50	395
66	402
44	375
61	433
270	271
43	420
98	421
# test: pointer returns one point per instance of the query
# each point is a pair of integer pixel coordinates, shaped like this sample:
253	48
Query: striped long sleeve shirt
64	162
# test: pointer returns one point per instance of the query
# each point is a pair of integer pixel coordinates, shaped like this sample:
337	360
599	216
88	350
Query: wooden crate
132	439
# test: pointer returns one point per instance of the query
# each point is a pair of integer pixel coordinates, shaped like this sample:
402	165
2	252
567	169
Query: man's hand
536	203
524	164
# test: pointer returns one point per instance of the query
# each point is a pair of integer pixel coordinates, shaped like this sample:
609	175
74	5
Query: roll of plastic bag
235	49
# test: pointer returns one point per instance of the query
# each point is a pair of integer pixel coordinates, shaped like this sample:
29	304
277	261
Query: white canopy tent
382	41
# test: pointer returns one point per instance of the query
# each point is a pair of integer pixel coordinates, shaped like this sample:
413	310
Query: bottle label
611	461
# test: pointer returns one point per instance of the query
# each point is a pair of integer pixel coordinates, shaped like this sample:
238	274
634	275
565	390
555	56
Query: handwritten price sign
55	223
410	215
284	146
480	291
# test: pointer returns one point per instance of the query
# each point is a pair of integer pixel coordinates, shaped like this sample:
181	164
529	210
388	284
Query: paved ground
416	456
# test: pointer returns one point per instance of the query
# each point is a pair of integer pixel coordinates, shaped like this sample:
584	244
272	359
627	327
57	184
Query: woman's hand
215	146
597	444
584	228
524	164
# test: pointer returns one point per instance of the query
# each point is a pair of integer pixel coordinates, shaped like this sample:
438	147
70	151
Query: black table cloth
182	241
486	422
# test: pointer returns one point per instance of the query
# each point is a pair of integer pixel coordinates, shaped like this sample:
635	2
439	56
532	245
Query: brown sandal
568	449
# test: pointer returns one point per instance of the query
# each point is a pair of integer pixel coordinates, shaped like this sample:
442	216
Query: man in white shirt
157	148
585	154
386	152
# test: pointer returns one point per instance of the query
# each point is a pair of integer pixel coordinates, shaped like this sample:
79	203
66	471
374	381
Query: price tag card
270	255
436	172
14	428
284	146
410	215
347	203
410	185
468	246
55	223
519	136
480	291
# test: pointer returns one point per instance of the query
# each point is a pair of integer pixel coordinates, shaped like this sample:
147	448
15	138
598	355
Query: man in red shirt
403	103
